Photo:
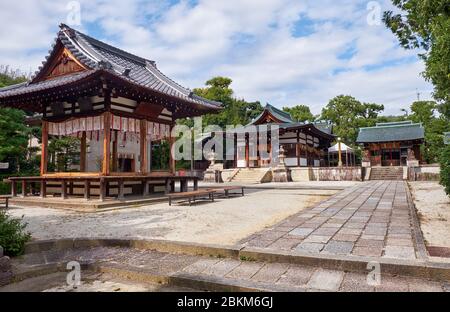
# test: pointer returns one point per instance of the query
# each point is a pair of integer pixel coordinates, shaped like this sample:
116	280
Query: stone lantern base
281	174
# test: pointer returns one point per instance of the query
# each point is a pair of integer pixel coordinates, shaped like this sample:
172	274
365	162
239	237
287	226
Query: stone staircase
252	176
386	173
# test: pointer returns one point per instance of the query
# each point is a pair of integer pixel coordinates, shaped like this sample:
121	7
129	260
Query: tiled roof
277	113
391	131
25	88
95	54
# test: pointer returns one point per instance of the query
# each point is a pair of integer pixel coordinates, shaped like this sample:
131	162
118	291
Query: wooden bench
227	189
191	196
6	198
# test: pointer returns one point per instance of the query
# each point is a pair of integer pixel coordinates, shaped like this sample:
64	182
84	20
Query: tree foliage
435	125
445	168
235	111
348	114
300	113
13	235
425	25
10	77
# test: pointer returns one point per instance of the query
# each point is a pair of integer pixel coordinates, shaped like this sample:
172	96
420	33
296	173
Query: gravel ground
433	208
225	221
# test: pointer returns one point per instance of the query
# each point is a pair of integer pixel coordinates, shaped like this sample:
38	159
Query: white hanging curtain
129	128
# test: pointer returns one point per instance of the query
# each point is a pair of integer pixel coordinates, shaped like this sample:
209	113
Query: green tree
64	152
10	77
445	168
300	113
13	137
435	125
235	111
348	115
425	25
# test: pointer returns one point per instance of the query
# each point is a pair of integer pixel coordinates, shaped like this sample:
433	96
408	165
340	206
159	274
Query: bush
445	168
12	235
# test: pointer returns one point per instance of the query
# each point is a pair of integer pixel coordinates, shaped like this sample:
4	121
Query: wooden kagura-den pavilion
93	91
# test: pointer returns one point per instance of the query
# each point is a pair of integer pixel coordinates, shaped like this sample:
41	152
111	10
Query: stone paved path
372	219
226	271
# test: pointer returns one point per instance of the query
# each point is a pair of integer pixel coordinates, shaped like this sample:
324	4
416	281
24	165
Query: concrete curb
418	268
218	251
5	269
423	269
418	235
219	284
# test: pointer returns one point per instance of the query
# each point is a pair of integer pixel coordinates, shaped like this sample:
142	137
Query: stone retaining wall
424	173
326	174
5	269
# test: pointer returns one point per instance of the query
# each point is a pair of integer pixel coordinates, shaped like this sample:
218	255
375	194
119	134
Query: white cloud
252	41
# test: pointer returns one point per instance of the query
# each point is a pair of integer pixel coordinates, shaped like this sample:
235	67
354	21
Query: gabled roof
97	55
391	131
324	126
276	114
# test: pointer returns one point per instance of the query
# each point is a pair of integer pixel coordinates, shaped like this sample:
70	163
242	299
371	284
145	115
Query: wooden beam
83	150
44	148
106	143
143	146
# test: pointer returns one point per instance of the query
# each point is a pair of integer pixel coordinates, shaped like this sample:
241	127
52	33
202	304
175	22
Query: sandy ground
225	221
433	208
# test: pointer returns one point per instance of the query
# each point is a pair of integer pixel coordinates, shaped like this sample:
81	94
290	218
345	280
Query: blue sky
285	52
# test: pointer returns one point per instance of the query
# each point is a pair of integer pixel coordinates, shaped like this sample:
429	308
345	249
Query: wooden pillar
143	146
43	189
247	152
87	189
183	185
106	143
13	188
44	148
24	188
195	184
297	148
145	188
172	164
115	159
64	189
167	186
120	193
83	151
150	151
102	189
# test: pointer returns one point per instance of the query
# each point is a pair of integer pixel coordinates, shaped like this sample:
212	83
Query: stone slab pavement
246	274
371	219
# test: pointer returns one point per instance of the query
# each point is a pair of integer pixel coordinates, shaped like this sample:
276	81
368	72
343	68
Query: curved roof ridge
100	44
151	67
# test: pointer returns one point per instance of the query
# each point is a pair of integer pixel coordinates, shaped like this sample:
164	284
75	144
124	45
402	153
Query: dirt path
225	221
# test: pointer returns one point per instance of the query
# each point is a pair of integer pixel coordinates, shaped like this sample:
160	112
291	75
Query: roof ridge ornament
126	72
104	65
